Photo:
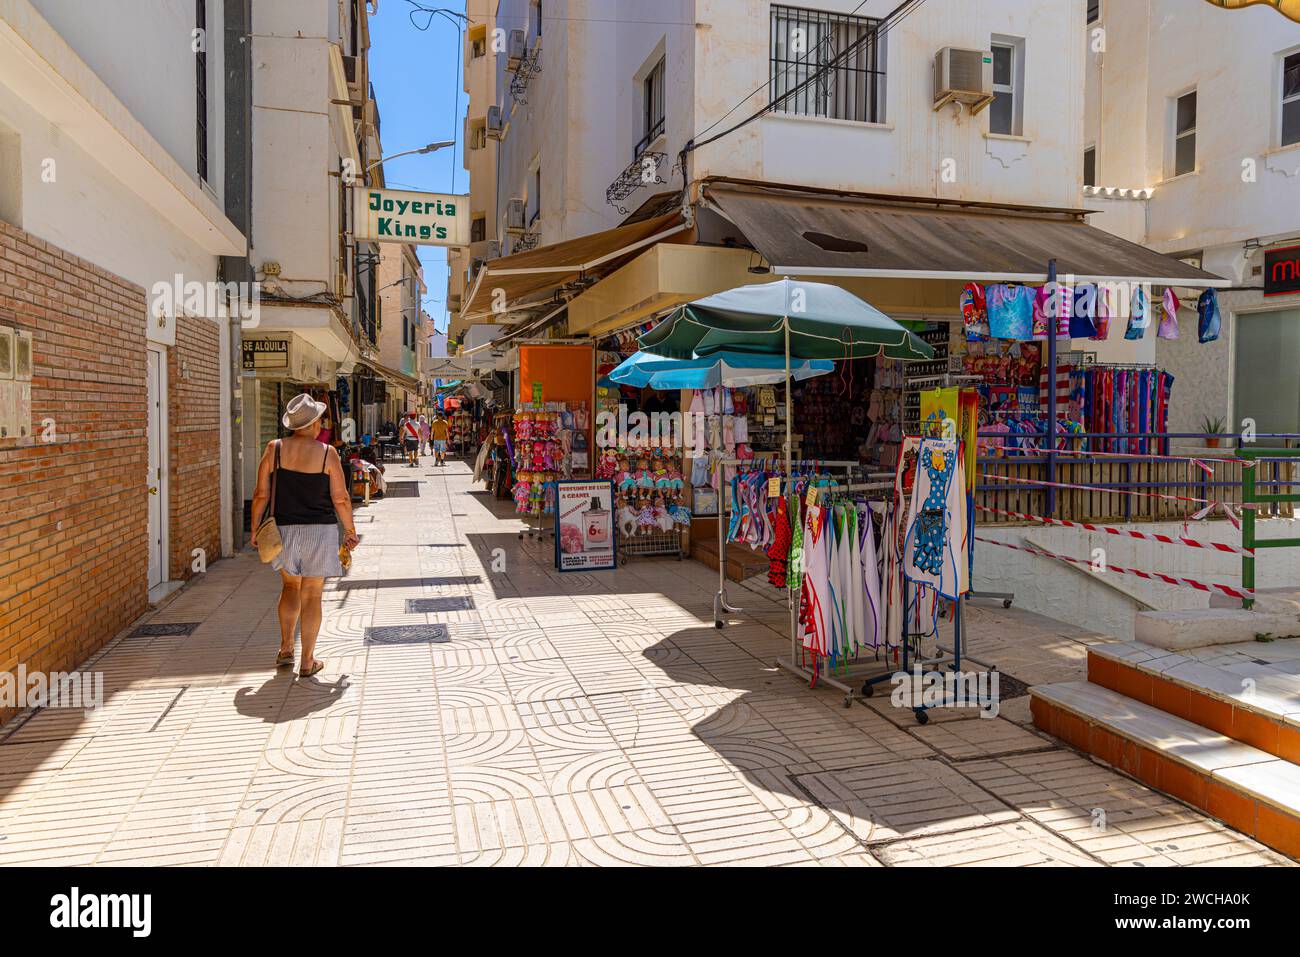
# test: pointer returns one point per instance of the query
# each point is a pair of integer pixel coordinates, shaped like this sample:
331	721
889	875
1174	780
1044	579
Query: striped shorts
310	550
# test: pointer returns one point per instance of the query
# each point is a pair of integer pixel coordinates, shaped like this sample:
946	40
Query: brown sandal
315	669
284	659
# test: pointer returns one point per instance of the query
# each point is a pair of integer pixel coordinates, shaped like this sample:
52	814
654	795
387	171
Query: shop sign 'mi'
1282	271
401	216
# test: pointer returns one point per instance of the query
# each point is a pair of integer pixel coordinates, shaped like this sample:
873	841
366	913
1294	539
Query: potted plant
1213	428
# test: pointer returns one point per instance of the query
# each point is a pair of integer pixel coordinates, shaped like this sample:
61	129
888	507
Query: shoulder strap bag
269	544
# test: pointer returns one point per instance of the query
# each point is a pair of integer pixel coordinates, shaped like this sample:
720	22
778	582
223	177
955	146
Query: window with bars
652	108
201	87
827	64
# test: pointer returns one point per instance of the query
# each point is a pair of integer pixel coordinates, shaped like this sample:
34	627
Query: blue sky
417	78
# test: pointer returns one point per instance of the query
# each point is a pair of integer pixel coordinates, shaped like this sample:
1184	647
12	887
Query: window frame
1087	150
1178	135
1092	11
1015	89
853	92
202	109
653	122
1284	100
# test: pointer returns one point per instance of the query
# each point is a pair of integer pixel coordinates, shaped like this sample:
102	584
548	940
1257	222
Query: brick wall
194	423
73	552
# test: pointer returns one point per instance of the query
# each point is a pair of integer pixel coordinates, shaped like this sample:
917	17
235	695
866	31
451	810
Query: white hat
301	412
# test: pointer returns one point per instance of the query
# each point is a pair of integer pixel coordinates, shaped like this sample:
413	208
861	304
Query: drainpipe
238	194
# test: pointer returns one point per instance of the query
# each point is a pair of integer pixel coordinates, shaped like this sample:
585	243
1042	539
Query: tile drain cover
407	634
165	629
418	606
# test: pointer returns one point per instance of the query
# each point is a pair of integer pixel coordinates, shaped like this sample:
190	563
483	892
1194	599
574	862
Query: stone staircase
1222	740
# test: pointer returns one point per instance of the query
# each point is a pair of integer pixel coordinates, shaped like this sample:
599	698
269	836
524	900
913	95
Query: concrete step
1260	708
1246	788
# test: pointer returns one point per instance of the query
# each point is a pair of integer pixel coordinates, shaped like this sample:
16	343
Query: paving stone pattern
479	708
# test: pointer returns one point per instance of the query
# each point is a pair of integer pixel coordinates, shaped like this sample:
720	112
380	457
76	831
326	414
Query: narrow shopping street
479	708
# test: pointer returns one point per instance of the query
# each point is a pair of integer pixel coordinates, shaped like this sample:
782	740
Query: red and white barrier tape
1123	532
1232	591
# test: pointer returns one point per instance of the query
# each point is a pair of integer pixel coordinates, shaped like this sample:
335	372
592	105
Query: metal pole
1051	400
1248	530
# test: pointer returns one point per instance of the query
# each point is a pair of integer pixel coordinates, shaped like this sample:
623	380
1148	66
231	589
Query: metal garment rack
720	603
792	663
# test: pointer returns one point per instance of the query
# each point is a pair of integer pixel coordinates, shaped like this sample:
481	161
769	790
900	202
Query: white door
157	475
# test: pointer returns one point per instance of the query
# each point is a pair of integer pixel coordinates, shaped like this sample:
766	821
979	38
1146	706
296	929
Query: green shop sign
402	216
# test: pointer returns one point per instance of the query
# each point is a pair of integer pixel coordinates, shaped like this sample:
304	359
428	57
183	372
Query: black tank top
302	498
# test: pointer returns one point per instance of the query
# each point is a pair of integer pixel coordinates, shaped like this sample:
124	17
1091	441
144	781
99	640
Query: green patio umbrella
823	322
800	320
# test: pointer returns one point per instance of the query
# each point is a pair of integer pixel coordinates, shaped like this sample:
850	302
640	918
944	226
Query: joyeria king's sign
400	216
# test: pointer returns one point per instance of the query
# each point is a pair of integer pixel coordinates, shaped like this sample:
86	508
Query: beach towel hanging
1208	320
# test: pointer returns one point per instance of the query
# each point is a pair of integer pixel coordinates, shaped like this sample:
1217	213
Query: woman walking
311	500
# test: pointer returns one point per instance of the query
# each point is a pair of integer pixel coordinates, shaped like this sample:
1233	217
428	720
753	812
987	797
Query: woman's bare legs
311	615
290	605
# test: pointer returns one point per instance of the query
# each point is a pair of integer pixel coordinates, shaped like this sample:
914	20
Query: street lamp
430	148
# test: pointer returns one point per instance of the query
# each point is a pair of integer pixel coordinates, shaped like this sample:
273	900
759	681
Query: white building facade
1213	139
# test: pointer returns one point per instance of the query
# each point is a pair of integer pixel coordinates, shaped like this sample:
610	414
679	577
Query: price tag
812	496
774	487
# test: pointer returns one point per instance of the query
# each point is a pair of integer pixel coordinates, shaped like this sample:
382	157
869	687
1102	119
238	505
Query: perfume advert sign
584	526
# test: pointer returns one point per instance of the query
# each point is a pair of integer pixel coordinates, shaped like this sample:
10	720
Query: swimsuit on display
1010	311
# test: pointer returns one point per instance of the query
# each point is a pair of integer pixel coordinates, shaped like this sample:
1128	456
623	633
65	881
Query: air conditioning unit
493	122
514	50
515	217
963	76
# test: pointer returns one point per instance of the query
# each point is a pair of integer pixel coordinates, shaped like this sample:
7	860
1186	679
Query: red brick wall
194	423
73	559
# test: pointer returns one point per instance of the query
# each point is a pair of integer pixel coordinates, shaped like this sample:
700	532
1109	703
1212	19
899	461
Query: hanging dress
935	549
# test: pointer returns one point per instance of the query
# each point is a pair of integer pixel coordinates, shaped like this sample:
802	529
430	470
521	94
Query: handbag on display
269	544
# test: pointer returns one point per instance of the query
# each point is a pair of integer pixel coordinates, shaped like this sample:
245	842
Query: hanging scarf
1169	316
1139	314
1207	316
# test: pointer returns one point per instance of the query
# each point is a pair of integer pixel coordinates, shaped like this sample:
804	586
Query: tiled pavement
558	719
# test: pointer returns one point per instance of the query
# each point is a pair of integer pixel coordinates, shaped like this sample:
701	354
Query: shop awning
814	234
400	379
528	279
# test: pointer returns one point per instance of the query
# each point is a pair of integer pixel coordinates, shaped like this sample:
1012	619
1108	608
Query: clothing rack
720	603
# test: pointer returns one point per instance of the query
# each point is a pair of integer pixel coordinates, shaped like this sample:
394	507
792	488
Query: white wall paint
117	37
1146	62
1051	588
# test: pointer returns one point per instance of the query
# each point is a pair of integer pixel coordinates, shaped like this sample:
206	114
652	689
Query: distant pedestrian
301	482
410	433
439	429
424	434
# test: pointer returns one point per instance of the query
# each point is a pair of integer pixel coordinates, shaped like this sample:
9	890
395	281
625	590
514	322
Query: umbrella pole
791	600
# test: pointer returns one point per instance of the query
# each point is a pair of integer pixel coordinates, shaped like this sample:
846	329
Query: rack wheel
868	689
717	624
848	701
1006	603
922	718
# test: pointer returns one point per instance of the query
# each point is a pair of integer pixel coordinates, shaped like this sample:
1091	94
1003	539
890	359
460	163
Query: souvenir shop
548	435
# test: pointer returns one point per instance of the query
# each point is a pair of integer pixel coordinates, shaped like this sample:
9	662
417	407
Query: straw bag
269	544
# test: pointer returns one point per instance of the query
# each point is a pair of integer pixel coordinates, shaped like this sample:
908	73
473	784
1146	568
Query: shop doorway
157	476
